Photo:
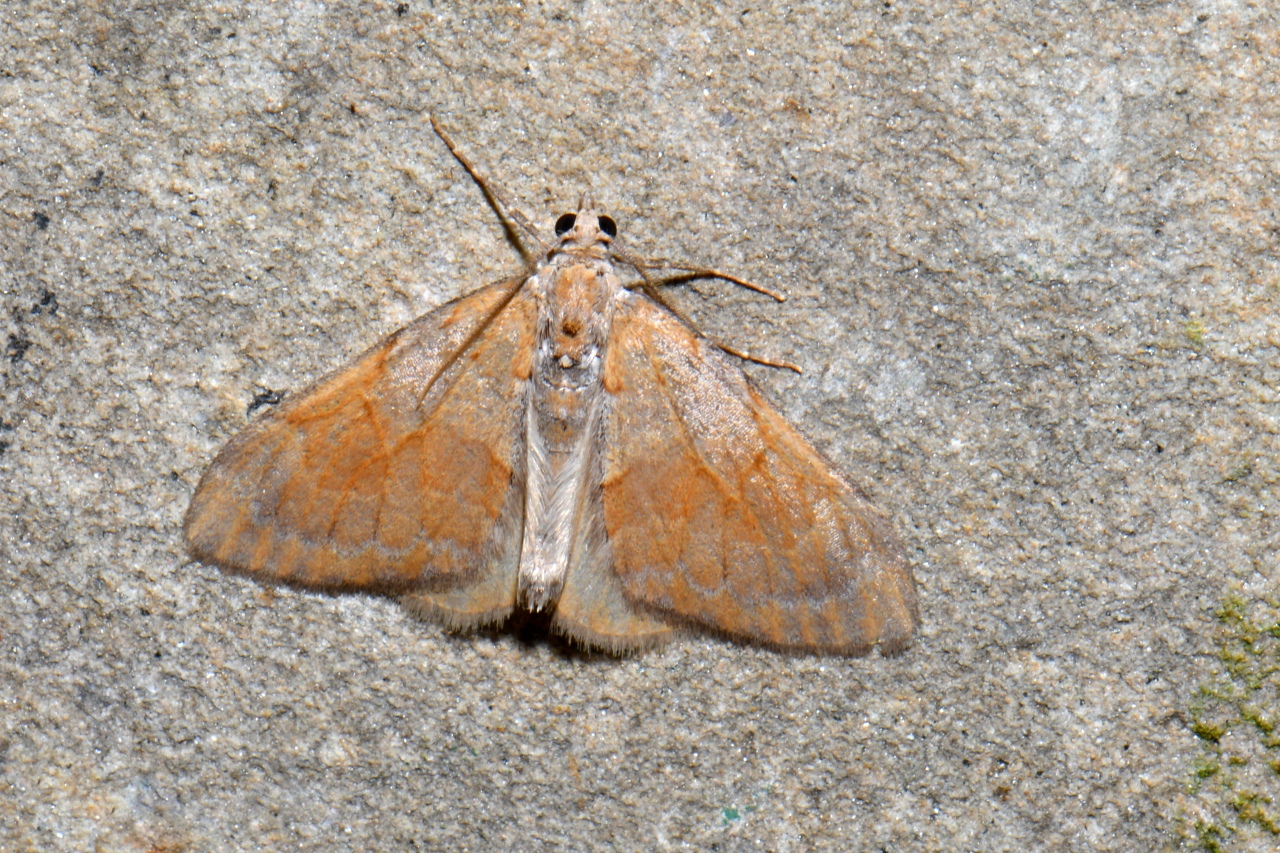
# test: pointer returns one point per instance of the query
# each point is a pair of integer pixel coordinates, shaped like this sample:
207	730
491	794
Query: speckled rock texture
1031	261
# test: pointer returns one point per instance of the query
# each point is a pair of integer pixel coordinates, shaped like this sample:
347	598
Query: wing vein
475	335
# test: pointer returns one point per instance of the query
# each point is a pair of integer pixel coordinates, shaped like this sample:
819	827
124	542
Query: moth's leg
643	265
650	288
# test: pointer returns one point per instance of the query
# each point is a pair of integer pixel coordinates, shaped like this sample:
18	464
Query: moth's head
585	230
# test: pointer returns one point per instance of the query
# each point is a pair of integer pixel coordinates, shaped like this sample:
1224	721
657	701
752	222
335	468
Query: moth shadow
532	630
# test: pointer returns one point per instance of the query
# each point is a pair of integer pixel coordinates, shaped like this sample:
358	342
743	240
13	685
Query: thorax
576	298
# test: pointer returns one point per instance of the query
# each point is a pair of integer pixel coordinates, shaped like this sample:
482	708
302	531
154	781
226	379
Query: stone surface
1033	279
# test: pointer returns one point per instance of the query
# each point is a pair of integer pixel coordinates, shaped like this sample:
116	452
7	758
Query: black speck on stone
16	348
48	303
41	220
266	397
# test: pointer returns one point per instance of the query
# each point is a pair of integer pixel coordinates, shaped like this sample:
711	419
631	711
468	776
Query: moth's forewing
721	515
400	471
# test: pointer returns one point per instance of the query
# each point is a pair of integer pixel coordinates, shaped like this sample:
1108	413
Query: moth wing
593	608
399	472
719	513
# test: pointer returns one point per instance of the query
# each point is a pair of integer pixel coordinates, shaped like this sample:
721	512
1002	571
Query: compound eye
608	226
565	224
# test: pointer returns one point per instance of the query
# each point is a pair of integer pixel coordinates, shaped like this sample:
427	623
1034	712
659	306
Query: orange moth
560	442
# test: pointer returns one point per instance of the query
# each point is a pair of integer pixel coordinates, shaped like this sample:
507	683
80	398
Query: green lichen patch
1194	331
1232	800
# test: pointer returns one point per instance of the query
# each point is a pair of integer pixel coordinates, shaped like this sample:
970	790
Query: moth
560	442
